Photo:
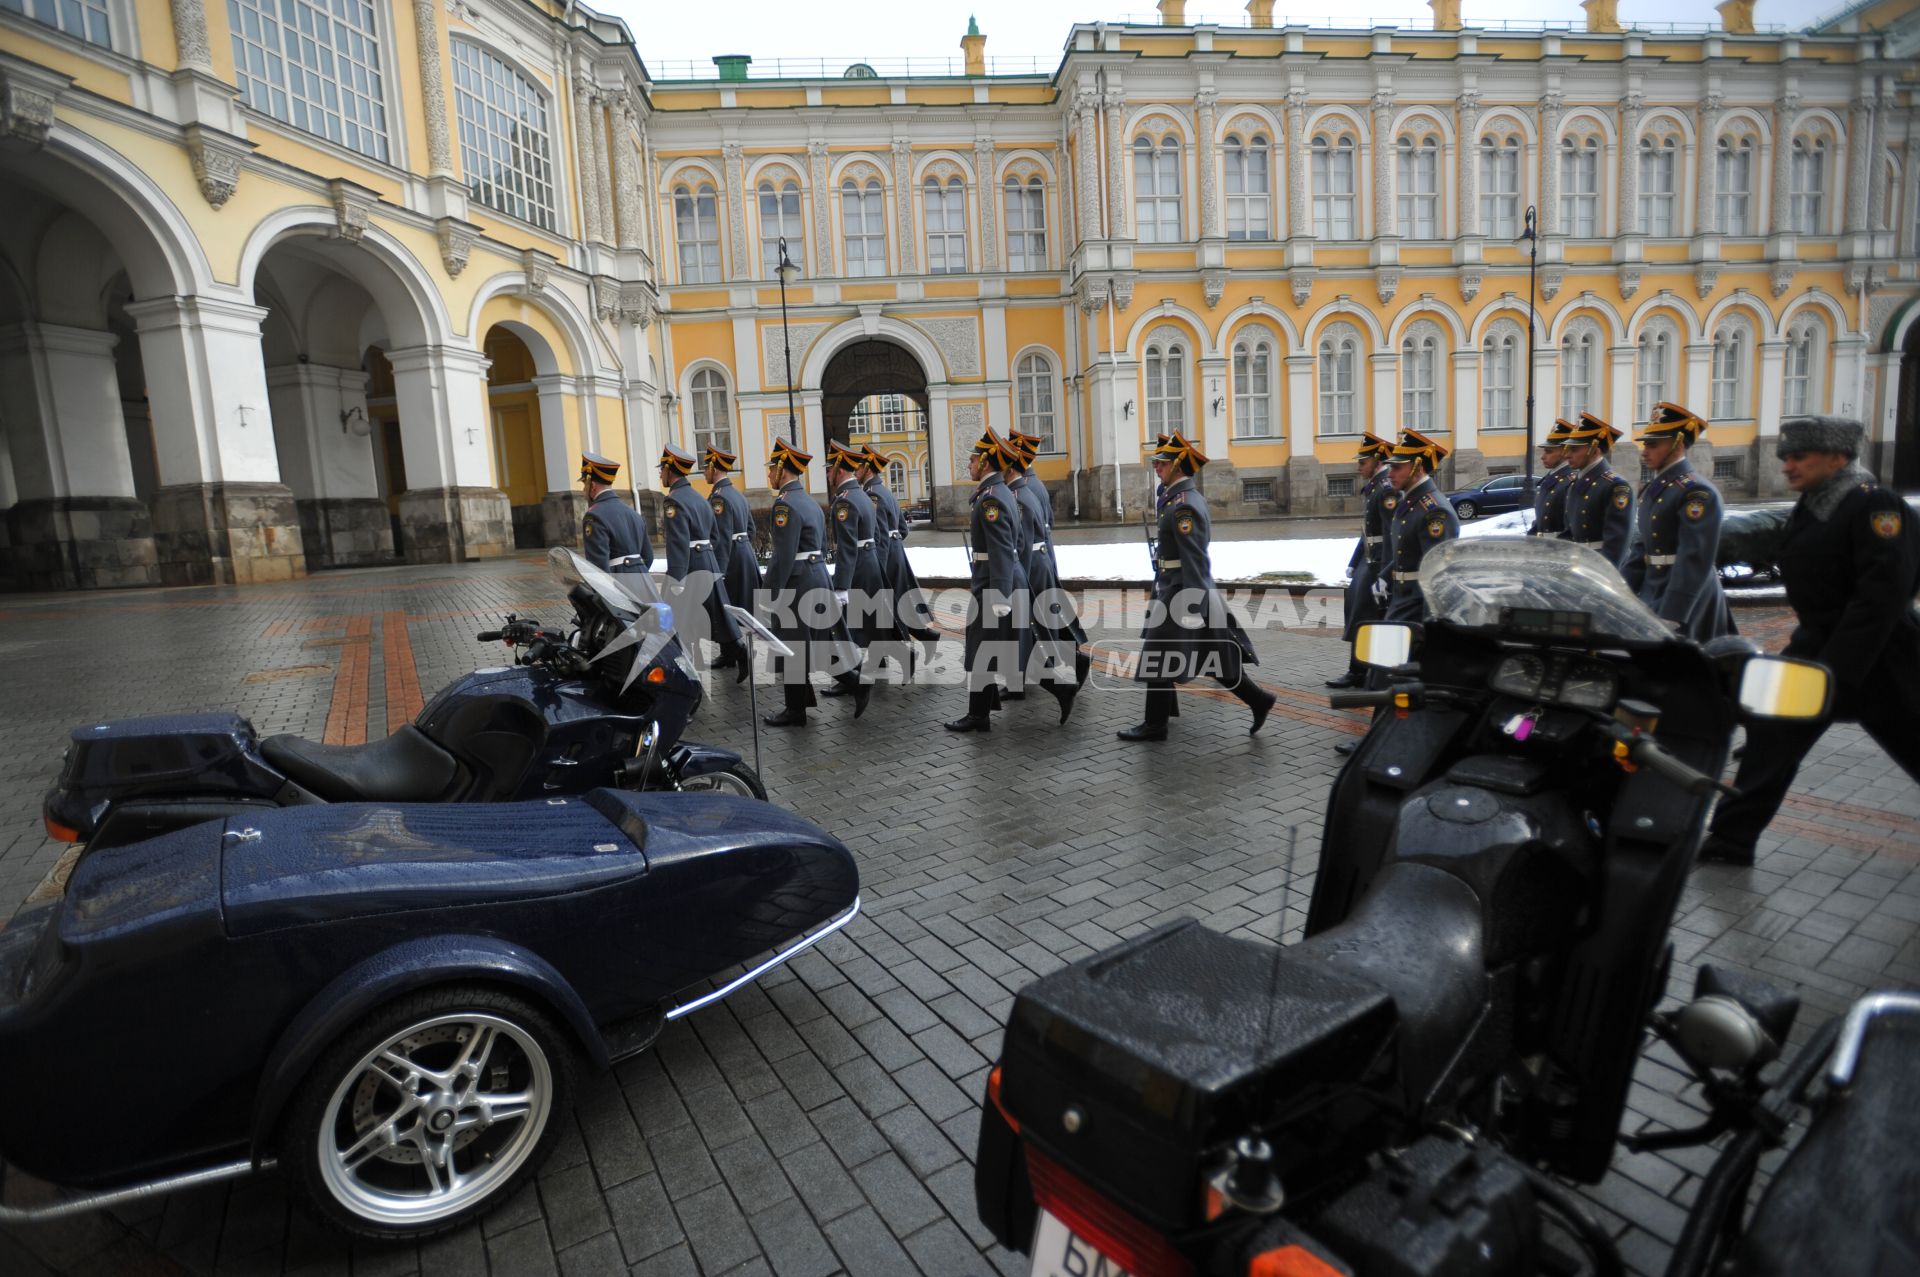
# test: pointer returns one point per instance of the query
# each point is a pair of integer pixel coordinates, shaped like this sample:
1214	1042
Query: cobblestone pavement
824	1120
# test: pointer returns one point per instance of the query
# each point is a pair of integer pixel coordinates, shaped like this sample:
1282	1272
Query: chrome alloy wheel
729	780
435	1118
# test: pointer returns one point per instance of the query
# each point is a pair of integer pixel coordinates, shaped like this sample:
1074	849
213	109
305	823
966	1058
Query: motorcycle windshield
1472	583
632	597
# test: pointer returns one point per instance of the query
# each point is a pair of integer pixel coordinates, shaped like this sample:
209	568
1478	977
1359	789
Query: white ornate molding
773	350
1122	286
618	302
190	36
352	206
1091	293
217	159
1780	277
28	96
958	338
538	269
1214	283
457	239
1471	281
433	88
1705	276
1301	283
987	190
1629	280
1552	279
818	154
969	423
1386	282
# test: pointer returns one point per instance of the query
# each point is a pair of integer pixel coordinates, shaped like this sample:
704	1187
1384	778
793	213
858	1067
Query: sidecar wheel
737	779
428	1113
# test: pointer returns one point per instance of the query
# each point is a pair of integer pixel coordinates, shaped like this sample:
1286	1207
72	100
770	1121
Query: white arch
408	298
1203	336
1741	299
1049	174
1589	304
1491	117
1348	309
922	163
137	211
1346	113
1450	322
1816	299
757	169
1665	299
1276	132
524	69
677	172
1442	119
1263	312
845	162
814	362
1609	135
1655	114
575	328
1511	307
1758	119
1172	112
1826	115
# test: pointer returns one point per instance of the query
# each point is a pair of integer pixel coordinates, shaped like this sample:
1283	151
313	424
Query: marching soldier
1599	500
798	596
858	584
1189	630
1850	558
1371	467
909	608
1672	565
732	542
687	528
1550	494
613	535
1028	446
1422	519
998	613
1056	629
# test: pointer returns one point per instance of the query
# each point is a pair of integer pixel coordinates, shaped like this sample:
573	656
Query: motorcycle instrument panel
1557	678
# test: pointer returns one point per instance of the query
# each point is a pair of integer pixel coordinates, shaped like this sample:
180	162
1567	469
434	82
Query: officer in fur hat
687	527
732	538
1672	565
1371	467
1599	500
613	535
1850	557
1189	629
1550	493
797	601
1422	519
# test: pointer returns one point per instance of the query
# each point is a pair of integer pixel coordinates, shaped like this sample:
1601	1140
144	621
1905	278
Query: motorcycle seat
405	767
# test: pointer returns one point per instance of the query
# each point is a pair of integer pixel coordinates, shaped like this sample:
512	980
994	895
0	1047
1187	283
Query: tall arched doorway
513	408
875	392
1906	415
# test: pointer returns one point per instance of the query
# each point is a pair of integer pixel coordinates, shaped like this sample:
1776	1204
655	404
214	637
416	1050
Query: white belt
741	536
863	544
701	545
1039	545
980	556
1373	540
1588	540
1662	560
1169	563
807	556
898	536
625	559
1416	575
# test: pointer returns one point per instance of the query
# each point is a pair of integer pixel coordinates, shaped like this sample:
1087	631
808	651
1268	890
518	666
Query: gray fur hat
1820	434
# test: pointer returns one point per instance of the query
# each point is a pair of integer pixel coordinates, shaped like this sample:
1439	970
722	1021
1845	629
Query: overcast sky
846	31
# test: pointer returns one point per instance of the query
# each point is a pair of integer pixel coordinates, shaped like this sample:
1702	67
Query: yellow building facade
290	287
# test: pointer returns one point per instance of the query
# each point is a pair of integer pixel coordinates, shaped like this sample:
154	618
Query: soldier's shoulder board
1178	498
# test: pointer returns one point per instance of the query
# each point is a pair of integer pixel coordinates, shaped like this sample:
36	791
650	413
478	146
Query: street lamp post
1532	235
788	272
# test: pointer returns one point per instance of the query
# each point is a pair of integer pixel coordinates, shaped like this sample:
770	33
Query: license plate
1059	1252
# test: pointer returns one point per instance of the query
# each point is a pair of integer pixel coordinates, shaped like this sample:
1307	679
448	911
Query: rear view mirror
1781	687
1385	646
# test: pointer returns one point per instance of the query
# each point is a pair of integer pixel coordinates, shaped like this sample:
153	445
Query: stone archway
1906	415
874	391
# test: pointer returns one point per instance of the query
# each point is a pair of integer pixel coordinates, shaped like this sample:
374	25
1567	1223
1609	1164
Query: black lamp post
788	272
1532	236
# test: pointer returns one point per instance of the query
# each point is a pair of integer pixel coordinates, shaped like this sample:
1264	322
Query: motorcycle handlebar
1644	752
490	636
1359	700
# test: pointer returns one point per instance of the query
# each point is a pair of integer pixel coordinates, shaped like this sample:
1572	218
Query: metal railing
1632	26
838	68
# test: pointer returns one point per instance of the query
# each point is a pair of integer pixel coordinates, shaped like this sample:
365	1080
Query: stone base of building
453	525
228	534
529	527
560	517
1464	468
81	543
1768	483
1306	487
341	532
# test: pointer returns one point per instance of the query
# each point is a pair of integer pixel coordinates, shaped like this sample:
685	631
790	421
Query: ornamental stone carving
1214	284
817	155
537	267
985	186
456	242
216	159
1122	286
26	105
1629	281
903	203
774	342
1090	293
1119	208
969	423
1705	276
1470	281
1551	281
1386	282
733	162
433	89
1301	283
958	338
352	206
190	36
1780	277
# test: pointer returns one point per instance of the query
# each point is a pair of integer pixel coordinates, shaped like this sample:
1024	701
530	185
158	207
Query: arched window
1805	355
1808	186
1249	187
1418	187
926	474
1253	412
1733	186
1659	176
1499	365
1166	384
1156	190
863	223
712	415
1576	370
315	66
503	136
1731	348
1580	188
897	477
1420	379
1500	186
946	226
1653	379
1333	188
1026	224
1033	400
1340	380
780	219
696	229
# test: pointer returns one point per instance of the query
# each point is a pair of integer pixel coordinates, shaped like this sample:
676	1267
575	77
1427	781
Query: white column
1849	365
822	262
1300	414
1706	153
1119	207
445	426
555	456
908	255
1697	377
602	172
1551	107
1299	224
1467	156
207	384
1213	424
1212	216
1385	412
590	177
1382	147
626	186
1466	399
1620	387
940	438
321	457
1086	104
60	396
1784	111
987	192
1546	392
433	89
733	166
1860	158
1631	107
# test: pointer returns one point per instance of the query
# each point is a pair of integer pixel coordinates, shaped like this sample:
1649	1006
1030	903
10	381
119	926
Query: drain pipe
1106	235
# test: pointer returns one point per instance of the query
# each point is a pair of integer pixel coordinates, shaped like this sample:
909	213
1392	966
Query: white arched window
1033	401
1026	224
863	225
1249	187
1340	380
1333	187
1499	371
1418	187
1253	410
503	136
1732	351
946	226
315	66
1805	355
1653	378
1156	190
1580	187
897	477
1659	178
712	414
1500	186
1166	383
1808	185
1420	378
696	229
1733	186
780	219
1577	355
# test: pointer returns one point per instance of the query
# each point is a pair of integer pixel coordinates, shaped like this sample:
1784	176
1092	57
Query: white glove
1191	622
1381	591
1002	610
840	597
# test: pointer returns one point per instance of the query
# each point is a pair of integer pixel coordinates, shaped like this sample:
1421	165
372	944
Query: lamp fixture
354	421
1126	409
